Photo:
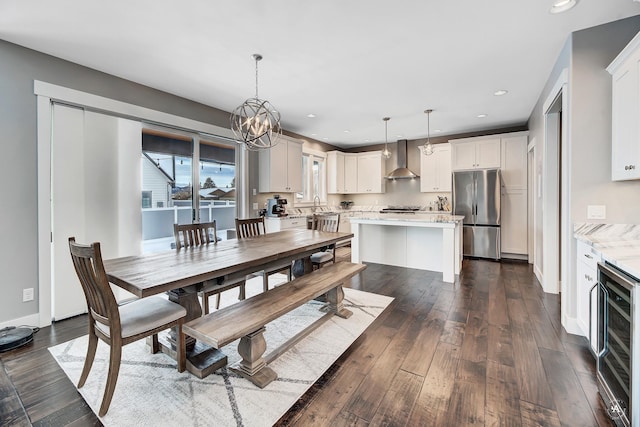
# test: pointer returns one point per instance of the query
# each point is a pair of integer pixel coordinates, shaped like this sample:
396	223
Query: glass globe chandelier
427	148
256	123
385	153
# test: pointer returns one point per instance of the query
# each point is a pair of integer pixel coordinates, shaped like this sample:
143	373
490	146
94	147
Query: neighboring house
211	193
156	185
229	195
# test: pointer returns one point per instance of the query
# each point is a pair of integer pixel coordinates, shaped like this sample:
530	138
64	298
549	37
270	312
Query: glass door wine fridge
618	321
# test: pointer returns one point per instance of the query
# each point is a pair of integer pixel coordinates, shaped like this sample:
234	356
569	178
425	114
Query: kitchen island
425	241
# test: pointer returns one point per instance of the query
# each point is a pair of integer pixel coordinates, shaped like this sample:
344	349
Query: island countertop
417	219
424	241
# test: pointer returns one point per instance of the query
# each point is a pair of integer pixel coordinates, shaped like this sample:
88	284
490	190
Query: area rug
150	391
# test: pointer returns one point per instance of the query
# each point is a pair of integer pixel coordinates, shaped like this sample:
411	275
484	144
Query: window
314	178
146	199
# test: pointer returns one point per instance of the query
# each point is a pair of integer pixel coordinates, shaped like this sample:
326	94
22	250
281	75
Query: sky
221	174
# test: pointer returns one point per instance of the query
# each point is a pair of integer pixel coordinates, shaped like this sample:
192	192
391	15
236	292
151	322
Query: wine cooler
619	344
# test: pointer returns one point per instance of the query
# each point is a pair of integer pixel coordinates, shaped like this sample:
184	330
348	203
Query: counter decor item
346	204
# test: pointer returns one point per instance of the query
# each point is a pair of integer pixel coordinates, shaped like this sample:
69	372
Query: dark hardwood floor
488	350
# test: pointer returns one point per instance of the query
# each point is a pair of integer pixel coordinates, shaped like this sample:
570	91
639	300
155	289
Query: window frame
308	178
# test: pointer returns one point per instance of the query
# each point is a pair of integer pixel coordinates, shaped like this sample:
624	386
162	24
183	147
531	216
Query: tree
233	183
208	183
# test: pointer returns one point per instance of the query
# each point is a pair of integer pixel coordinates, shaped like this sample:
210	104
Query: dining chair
251	227
119	325
192	235
330	223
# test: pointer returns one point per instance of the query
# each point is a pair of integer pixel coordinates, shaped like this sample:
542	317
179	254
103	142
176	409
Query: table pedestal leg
253	366
334	298
201	360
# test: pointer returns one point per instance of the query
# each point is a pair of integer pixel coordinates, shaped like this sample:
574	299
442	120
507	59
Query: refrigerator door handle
475	198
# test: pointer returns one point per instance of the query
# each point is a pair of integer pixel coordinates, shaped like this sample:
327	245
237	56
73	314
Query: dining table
181	274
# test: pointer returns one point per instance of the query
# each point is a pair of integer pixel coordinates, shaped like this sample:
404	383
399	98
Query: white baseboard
571	325
31	320
538	274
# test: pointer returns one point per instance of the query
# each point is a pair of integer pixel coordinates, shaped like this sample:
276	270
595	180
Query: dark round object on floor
11	338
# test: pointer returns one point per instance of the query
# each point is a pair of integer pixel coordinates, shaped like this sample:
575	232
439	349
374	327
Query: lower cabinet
277	224
586	279
513	236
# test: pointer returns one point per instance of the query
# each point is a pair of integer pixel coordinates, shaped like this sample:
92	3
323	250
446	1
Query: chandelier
385	153
427	148
256	123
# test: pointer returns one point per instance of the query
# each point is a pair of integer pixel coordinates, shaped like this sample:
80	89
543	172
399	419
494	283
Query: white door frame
557	227
532	201
46	94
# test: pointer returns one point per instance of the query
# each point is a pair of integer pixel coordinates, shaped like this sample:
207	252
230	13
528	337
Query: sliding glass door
172	161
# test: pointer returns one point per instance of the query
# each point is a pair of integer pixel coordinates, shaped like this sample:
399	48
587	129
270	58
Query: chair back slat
250	227
328	222
87	261
189	235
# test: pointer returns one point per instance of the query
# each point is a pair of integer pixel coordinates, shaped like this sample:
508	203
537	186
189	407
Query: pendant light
385	153
427	148
256	123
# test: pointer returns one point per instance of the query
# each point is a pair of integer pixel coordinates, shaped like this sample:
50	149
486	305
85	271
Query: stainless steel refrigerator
476	195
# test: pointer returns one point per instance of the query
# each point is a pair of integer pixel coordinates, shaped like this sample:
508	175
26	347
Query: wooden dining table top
150	274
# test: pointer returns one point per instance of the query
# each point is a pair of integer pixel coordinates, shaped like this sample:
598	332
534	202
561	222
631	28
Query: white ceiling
349	62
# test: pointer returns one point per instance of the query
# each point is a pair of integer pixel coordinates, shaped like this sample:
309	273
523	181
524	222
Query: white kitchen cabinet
350	173
625	119
513	222
280	167
342	173
273	224
513	162
435	169
514	201
586	278
475	153
370	172
335	172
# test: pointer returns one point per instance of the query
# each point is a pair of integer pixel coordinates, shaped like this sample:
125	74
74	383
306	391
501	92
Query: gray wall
19	67
587	54
593	51
536	136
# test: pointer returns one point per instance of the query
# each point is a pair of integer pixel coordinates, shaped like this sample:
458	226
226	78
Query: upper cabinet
370	172
625	123
435	169
280	167
335	172
342	173
475	153
351	173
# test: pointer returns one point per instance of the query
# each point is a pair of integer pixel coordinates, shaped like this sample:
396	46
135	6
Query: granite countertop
619	244
424	217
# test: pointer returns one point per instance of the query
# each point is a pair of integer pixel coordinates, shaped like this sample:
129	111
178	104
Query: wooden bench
247	319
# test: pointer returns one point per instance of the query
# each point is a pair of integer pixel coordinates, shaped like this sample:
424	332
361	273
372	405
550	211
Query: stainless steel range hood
402	172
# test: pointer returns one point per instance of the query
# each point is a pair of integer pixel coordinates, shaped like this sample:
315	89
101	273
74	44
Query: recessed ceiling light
437	130
560	6
314	134
481	116
500	92
311	115
326	139
346	131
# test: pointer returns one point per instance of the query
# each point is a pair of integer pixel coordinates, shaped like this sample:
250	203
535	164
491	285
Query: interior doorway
556	225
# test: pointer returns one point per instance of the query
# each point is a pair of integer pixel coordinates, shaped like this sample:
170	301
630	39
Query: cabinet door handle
629	167
588	256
